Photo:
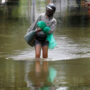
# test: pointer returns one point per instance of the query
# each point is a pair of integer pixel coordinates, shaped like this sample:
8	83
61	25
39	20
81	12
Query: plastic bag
52	41
46	30
50	37
30	37
41	24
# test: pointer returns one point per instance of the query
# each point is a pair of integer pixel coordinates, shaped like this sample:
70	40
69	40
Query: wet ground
67	67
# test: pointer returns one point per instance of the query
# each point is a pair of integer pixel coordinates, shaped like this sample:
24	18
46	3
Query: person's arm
34	25
53	26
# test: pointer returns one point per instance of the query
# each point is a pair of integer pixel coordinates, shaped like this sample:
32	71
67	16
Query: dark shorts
42	43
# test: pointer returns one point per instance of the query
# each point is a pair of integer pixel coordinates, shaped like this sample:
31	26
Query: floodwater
67	67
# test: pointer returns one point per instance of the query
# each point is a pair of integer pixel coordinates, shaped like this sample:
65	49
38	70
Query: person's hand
38	29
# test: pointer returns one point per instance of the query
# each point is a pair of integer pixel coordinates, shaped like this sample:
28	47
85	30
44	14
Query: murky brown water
67	67
45	75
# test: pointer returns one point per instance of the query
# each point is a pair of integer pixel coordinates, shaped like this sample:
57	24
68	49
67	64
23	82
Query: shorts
42	43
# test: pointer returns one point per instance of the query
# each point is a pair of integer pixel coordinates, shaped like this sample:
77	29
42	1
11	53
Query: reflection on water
42	76
68	65
45	75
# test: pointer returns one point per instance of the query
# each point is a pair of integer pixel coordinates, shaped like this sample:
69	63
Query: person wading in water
40	39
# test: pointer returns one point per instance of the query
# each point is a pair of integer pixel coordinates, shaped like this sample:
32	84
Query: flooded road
72	42
67	67
45	75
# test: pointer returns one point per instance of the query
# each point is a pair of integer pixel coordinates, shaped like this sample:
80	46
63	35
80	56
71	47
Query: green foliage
23	7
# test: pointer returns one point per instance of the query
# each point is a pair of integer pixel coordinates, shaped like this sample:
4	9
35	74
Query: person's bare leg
45	51
37	51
